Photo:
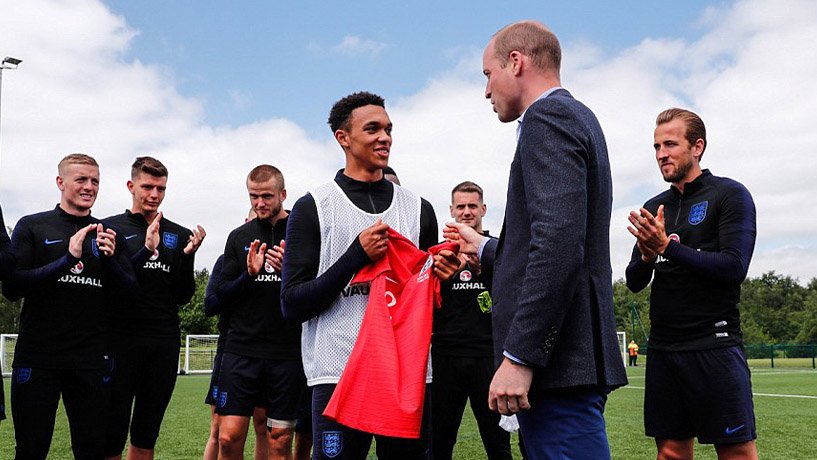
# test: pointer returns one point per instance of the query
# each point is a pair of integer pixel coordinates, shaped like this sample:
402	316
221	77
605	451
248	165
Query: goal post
622	345
7	344
199	354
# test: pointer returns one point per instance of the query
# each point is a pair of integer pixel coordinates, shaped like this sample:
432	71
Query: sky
213	89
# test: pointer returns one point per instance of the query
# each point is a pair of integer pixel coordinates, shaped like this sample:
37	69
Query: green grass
785	425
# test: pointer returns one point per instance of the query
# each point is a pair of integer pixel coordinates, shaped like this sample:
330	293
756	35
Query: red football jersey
382	387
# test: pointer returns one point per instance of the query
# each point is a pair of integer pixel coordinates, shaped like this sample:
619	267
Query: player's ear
342	137
60	183
283	194
451	210
130	186
698	149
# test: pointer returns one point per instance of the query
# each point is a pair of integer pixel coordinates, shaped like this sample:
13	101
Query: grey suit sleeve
553	156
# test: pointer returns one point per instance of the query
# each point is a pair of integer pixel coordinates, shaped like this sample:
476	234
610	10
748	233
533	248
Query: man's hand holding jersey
468	238
375	240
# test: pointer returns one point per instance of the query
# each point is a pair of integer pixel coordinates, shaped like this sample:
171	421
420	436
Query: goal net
199	354
622	345
7	343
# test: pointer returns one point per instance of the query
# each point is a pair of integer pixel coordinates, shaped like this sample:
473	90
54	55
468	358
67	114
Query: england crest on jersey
170	240
332	443
22	374
697	213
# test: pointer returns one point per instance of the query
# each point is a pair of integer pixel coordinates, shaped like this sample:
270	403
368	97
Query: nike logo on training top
48	242
130	236
731	431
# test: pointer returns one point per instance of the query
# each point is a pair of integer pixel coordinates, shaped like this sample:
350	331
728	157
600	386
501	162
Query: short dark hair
342	110
263	173
467	187
695	128
147	165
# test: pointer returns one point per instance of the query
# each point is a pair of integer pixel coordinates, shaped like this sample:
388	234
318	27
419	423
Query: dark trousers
633	359
35	394
331	440
456	380
143	377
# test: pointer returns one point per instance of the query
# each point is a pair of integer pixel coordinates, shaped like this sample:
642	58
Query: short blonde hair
75	159
263	173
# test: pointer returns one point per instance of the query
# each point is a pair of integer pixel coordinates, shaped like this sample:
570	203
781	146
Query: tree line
775	309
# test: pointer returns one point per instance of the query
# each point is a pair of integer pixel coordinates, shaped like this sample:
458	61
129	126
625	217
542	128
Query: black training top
256	328
696	289
461	328
6	256
165	277
304	295
62	323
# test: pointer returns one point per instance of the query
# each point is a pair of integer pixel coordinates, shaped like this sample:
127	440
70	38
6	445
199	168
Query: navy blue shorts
333	441
705	394
212	392
244	381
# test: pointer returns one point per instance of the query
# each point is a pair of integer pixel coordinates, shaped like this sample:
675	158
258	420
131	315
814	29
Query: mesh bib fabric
328	339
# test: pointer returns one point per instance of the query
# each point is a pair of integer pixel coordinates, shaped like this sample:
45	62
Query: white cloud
749	74
352	45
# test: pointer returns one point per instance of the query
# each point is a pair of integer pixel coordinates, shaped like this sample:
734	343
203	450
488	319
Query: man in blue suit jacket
554	329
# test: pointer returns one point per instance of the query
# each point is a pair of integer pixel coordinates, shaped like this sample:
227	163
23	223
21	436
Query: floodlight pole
9	63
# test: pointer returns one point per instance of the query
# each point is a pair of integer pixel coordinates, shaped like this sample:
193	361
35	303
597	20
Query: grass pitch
785	407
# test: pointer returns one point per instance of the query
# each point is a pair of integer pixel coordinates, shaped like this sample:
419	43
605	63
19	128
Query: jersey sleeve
638	273
212	304
234	278
7	260
26	277
736	240
428	225
184	281
304	294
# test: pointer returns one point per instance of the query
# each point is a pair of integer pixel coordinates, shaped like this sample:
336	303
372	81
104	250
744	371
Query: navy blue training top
696	282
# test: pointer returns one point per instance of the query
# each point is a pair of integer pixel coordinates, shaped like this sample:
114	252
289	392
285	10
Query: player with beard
262	356
213	307
462	345
67	264
334	231
144	328
695	242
